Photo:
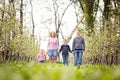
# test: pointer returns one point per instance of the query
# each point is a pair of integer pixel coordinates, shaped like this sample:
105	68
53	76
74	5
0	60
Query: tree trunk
21	17
32	19
13	17
3	13
88	9
58	18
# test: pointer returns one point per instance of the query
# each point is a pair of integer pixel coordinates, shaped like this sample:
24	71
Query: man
78	47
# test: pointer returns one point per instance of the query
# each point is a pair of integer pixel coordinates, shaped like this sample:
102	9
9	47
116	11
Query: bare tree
70	36
58	18
33	24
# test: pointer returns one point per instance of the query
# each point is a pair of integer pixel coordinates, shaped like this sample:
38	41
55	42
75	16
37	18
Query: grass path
47	71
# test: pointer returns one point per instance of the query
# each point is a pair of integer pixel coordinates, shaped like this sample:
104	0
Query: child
65	49
41	56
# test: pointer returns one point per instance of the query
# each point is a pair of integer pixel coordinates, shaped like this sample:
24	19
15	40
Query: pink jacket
41	57
53	44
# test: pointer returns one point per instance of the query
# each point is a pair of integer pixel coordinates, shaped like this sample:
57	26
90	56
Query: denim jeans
78	57
42	61
65	59
52	53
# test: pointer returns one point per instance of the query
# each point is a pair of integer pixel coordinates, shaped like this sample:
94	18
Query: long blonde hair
52	33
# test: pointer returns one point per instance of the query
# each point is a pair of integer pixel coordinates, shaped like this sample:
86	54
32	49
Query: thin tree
70	36
33	24
21	17
2	18
58	18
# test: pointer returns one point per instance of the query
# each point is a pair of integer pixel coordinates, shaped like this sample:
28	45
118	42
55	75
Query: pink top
41	57
53	44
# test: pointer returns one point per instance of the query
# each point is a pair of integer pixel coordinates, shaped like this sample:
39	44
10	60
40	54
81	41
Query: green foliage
88	9
101	46
10	34
24	45
36	71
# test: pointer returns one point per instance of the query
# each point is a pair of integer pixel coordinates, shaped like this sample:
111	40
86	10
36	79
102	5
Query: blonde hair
41	50
65	40
51	34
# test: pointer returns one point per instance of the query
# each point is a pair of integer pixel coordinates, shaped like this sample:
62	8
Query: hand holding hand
72	52
83	50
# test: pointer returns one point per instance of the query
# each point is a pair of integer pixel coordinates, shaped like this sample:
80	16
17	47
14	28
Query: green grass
47	71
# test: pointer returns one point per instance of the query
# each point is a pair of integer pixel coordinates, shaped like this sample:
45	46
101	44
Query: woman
52	47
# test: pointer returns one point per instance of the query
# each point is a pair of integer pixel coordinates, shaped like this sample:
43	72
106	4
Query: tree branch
70	36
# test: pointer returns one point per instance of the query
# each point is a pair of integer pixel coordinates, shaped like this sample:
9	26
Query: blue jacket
65	49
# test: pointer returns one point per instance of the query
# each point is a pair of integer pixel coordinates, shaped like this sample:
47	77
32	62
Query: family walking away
78	46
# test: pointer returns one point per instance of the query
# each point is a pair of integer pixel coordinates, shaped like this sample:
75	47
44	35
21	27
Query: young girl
65	49
41	56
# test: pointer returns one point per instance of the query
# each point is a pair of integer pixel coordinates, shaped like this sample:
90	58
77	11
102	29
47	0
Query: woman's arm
60	49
